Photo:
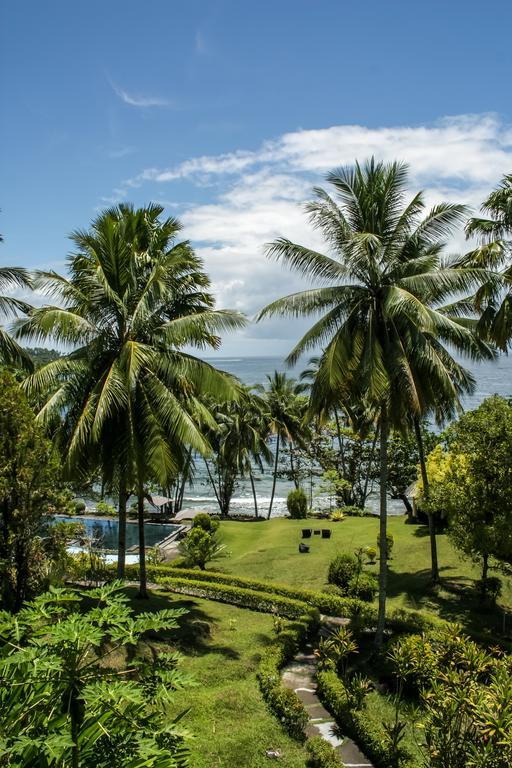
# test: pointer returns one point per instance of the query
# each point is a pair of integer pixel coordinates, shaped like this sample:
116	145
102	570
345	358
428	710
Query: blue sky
228	112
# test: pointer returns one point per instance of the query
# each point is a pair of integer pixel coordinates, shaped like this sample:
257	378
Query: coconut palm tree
128	399
377	322
238	439
283	414
12	278
493	301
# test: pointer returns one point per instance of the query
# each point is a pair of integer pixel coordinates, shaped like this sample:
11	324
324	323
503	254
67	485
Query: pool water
104	532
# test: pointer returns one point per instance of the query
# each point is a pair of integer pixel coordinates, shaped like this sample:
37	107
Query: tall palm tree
12	278
128	399
283	416
238	439
493	301
381	333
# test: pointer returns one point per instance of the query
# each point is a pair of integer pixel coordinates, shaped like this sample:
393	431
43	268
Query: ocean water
491	378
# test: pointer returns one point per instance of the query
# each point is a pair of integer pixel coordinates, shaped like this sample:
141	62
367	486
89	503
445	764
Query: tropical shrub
335	650
468	723
297	504
363	586
200	547
337	515
342	570
390	540
371	554
353	511
321	754
103	508
206	522
62	705
79	506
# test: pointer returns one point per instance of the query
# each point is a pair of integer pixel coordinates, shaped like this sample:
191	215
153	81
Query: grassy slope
228	717
269	550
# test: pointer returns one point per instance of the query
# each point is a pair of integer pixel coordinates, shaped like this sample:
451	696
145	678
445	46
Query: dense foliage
30	490
72	695
471	483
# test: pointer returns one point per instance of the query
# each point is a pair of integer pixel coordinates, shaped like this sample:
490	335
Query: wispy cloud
258	195
139	100
200	46
115	154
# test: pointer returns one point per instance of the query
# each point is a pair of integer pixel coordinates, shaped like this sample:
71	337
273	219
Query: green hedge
369	736
398	620
283	702
267	602
321	754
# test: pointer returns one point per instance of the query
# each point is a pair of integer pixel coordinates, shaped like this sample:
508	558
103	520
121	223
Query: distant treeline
41	356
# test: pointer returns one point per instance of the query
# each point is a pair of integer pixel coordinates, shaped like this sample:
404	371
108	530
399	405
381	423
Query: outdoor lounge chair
326	533
306	533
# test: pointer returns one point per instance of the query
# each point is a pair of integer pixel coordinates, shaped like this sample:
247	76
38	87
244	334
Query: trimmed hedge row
369	736
266	602
283	702
398	620
322	754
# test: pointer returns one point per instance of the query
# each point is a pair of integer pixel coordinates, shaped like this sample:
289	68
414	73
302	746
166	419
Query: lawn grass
269	550
223	646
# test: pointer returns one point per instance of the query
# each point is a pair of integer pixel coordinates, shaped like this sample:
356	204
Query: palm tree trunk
431	521
292	468
275	477
383	526
212	481
254	494
143	592
370	462
121	536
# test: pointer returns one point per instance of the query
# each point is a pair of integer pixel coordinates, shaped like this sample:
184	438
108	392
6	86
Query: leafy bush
103	508
200	547
79	506
321	754
390	540
206	522
94	714
297	504
353	511
371	554
334	651
364	586
342	570
337	515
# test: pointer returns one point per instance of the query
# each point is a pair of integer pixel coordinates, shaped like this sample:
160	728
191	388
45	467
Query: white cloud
139	100
200	46
257	195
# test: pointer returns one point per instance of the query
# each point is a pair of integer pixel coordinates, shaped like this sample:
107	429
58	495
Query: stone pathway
300	676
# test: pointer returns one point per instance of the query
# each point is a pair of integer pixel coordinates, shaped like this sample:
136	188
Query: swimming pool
104	532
